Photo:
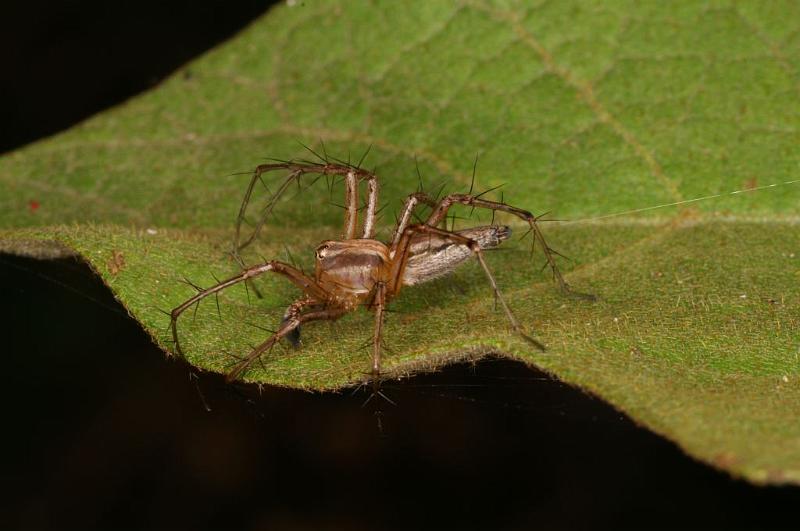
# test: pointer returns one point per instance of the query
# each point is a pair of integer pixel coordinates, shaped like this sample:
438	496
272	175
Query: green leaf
582	109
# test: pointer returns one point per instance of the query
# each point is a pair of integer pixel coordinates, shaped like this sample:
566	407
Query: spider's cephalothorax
350	269
359	270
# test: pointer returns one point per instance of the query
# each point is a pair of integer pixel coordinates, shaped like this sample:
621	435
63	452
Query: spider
358	270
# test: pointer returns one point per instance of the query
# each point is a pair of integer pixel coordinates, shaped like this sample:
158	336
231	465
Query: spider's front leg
411	203
402	254
440	212
353	175
307	284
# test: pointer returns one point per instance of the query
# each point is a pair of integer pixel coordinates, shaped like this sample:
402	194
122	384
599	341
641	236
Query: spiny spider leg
302	281
403	249
372	207
412	201
296	170
379	305
440	212
286	327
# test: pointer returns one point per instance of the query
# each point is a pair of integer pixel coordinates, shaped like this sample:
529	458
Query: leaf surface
581	109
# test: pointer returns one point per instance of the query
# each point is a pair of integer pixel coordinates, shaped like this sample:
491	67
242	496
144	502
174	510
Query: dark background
103	432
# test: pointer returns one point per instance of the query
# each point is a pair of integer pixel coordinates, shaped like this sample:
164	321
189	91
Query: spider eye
321	251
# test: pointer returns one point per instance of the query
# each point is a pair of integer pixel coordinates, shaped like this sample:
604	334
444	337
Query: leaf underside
580	109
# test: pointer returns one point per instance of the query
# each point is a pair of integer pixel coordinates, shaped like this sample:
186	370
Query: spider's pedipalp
286	327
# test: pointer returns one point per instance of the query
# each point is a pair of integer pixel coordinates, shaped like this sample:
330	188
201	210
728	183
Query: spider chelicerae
360	271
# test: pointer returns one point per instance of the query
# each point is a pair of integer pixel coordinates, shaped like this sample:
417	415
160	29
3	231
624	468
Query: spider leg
292	311
351	205
440	212
402	253
353	175
286	328
412	201
372	206
305	283
379	304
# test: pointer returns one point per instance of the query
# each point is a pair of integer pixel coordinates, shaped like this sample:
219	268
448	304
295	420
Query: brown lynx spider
362	271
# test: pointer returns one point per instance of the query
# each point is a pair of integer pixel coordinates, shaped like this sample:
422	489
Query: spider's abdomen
349	269
432	256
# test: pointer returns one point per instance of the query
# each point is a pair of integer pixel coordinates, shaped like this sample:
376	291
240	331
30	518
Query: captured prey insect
359	270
